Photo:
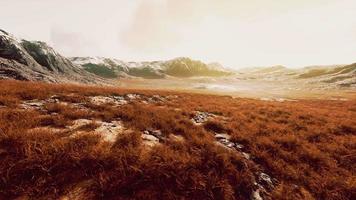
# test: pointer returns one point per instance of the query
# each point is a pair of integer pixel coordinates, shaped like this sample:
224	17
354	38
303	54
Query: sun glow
235	33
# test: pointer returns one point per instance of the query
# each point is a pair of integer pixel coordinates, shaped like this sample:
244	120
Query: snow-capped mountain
35	60
178	67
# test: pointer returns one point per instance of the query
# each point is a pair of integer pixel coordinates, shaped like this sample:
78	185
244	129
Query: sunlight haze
234	33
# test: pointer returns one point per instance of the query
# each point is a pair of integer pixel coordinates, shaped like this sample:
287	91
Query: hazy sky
236	33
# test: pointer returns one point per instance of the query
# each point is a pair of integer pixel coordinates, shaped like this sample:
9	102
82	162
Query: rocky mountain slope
343	75
178	67
35	60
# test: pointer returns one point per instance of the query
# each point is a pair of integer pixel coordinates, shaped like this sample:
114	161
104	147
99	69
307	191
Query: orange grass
309	146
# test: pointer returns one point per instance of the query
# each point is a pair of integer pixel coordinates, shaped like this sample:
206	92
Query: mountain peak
36	60
2	32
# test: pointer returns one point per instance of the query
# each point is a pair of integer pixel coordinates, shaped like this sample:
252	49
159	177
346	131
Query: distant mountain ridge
178	67
333	75
35	60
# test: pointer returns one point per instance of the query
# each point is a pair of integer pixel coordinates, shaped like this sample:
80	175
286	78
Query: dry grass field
86	142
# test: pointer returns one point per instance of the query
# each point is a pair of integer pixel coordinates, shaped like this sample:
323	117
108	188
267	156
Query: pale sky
235	33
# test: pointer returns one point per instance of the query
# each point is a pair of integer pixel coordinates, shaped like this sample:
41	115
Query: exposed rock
266	180
100	100
201	117
133	96
156	98
119	98
34	60
256	195
32	104
40	104
108	130
53	99
221	136
156	133
262	178
11	69
149	140
224	139
239	146
80	122
246	155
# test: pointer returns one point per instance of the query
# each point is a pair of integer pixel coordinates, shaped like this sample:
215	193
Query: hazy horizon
236	34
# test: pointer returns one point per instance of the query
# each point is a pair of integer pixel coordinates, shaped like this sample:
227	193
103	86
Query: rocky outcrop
34	60
12	69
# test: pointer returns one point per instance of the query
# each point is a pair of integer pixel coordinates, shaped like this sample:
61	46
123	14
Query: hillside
79	142
333	76
34	60
178	67
344	75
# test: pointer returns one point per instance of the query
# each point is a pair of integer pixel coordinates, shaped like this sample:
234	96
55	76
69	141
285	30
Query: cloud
70	43
240	33
233	32
150	28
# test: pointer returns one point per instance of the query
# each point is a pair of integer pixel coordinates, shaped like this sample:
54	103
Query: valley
233	86
103	128
65	141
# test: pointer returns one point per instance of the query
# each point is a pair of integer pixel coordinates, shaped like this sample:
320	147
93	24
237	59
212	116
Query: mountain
114	68
35	60
329	76
178	67
318	71
342	75
277	72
